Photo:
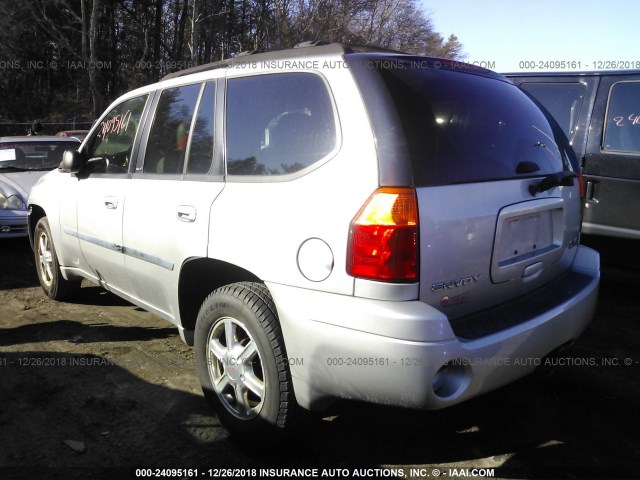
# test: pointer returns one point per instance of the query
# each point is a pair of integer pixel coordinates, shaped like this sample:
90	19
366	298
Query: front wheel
242	364
55	286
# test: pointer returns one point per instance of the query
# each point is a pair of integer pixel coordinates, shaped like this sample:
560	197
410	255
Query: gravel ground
98	388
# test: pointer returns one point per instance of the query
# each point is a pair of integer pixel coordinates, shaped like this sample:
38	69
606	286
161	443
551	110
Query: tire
55	286
250	384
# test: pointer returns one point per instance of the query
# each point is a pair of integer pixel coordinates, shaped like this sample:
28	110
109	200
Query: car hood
19	183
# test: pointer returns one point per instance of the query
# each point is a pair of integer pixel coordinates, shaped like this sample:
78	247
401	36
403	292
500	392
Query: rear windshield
461	127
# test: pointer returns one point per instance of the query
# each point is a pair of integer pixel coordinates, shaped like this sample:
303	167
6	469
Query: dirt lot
99	388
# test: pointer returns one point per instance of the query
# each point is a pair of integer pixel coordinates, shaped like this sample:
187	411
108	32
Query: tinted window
277	124
460	127
169	133
622	129
113	140
563	100
201	148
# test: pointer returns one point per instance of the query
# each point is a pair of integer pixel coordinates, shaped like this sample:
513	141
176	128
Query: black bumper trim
522	309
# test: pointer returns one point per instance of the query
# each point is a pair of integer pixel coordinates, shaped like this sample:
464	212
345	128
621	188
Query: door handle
186	213
111	203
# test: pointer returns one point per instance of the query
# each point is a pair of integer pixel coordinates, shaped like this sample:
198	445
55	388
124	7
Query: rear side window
622	128
201	148
460	127
169	135
562	100
278	124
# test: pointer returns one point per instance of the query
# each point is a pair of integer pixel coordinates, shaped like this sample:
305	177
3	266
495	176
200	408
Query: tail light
383	238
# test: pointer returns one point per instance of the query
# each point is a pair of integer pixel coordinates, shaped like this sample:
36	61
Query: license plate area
527	233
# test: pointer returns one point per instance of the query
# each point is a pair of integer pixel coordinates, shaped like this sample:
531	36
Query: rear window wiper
560	179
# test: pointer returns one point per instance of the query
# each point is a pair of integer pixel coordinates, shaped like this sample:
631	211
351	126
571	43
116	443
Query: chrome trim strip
91	239
148	258
132	252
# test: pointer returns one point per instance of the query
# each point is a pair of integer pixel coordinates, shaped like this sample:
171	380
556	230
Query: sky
539	35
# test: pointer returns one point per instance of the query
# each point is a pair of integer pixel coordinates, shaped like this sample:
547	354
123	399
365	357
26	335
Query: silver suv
327	223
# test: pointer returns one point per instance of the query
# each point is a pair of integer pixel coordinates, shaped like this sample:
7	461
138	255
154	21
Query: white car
23	160
329	222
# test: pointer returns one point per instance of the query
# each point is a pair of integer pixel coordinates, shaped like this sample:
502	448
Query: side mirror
72	161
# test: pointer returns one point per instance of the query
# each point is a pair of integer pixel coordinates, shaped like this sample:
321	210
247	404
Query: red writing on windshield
117	124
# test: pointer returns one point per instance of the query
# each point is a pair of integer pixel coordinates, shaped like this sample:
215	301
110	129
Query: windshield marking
7	155
116	125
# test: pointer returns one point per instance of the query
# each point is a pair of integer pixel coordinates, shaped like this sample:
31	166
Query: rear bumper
393	353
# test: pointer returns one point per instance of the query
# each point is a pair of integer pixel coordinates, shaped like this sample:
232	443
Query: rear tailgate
484	244
476	145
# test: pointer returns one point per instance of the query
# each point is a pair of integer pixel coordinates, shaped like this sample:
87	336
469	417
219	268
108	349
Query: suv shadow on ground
122	422
78	332
18	271
18	268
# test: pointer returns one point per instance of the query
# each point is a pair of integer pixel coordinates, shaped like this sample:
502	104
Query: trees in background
64	59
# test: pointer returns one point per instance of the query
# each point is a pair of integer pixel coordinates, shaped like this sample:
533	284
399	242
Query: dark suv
600	114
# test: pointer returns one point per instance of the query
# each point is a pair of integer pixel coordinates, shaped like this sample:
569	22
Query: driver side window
113	140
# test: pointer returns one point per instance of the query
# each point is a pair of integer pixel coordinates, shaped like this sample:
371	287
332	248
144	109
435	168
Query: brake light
383	238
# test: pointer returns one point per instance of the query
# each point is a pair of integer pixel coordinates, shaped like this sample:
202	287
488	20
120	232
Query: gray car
329	222
23	160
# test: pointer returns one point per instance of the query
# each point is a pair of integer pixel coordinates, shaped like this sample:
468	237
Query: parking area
100	388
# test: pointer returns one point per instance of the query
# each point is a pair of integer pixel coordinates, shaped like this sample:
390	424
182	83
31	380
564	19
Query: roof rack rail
244	53
357	48
297	51
197	69
311	43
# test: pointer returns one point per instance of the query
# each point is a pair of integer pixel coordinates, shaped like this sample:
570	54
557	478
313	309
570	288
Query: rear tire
241	363
55	286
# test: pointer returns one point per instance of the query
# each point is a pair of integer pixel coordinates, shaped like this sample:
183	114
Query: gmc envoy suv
329	222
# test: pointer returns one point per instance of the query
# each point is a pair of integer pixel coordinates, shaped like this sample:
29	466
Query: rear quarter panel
261	225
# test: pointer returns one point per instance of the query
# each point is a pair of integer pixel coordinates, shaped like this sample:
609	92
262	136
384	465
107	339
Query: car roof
586	73
36	138
304	49
312	49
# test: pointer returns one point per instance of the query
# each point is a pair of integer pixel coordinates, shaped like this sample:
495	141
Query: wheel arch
198	278
36	212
